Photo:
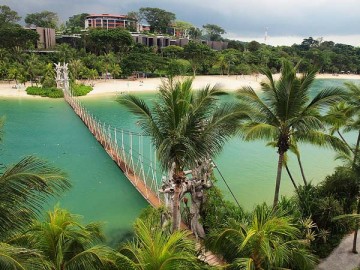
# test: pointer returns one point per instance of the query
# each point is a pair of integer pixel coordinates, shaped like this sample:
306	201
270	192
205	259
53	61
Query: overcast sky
287	21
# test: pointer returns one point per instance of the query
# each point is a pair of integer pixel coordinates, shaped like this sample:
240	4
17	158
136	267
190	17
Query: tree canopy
214	32
45	18
158	19
8	16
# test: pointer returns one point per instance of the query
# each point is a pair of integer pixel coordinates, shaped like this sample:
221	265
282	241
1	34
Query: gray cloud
243	18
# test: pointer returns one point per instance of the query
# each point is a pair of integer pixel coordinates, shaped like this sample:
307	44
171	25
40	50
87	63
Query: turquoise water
49	129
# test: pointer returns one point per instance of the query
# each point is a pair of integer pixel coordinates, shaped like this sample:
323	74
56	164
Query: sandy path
342	258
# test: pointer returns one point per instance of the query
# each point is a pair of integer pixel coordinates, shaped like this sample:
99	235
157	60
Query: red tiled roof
106	15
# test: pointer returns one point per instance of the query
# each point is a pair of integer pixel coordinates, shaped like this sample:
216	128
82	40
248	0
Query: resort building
46	37
109	21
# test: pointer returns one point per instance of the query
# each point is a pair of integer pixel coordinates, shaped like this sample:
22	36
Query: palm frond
327	97
24	187
255	131
248	96
18	258
323	140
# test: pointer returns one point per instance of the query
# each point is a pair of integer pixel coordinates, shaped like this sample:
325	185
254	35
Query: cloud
283	18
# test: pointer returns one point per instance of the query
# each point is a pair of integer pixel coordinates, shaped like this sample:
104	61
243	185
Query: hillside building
109	21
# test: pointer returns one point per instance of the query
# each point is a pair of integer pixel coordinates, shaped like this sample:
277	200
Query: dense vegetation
101	53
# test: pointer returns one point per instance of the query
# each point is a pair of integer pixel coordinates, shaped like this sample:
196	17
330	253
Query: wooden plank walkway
148	194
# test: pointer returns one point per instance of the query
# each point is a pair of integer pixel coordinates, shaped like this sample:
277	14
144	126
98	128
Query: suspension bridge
126	149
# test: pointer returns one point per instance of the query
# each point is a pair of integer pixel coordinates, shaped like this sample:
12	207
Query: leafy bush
343	185
51	92
81	89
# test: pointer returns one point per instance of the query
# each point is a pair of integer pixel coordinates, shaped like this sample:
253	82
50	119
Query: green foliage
112	40
8	16
284	113
343	185
216	210
214	32
178	67
198	128
17	36
81	89
268	239
52	92
158	19
67	244
199	55
76	23
47	19
153	248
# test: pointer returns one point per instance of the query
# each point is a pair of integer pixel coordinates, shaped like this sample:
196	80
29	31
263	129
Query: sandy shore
101	87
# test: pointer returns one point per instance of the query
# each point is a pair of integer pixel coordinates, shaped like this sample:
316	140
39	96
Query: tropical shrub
51	92
269	239
156	248
81	89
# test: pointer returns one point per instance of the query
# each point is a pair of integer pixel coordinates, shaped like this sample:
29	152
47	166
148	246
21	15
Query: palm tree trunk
356	229
176	217
301	169
358	206
356	148
343	139
291	178
278	179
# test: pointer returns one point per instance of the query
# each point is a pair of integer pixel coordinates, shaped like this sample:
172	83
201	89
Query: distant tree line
99	52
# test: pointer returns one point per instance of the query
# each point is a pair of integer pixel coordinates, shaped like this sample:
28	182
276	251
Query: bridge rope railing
126	149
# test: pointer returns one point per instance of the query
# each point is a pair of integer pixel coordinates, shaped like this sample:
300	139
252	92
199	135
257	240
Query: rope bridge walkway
121	147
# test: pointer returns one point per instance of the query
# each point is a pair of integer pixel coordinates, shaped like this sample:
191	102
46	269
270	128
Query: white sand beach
108	87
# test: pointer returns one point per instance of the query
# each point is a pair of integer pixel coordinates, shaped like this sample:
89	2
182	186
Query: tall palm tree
184	126
67	244
154	249
268	240
347	116
284	112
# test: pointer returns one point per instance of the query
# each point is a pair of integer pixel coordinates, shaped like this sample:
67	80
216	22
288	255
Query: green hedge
51	92
81	89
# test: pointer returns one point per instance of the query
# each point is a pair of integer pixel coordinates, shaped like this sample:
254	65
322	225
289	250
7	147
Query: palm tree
347	116
67	244
184	127
154	249
285	113
268	240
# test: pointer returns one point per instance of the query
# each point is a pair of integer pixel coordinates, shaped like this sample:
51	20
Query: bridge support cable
228	187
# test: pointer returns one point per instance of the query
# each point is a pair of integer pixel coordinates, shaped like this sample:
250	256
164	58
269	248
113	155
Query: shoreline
150	85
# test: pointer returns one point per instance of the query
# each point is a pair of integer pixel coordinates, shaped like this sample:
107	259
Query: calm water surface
50	129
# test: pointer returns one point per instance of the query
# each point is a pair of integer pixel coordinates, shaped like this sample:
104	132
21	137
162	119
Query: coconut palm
184	126
346	116
67	244
154	249
268	240
284	112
